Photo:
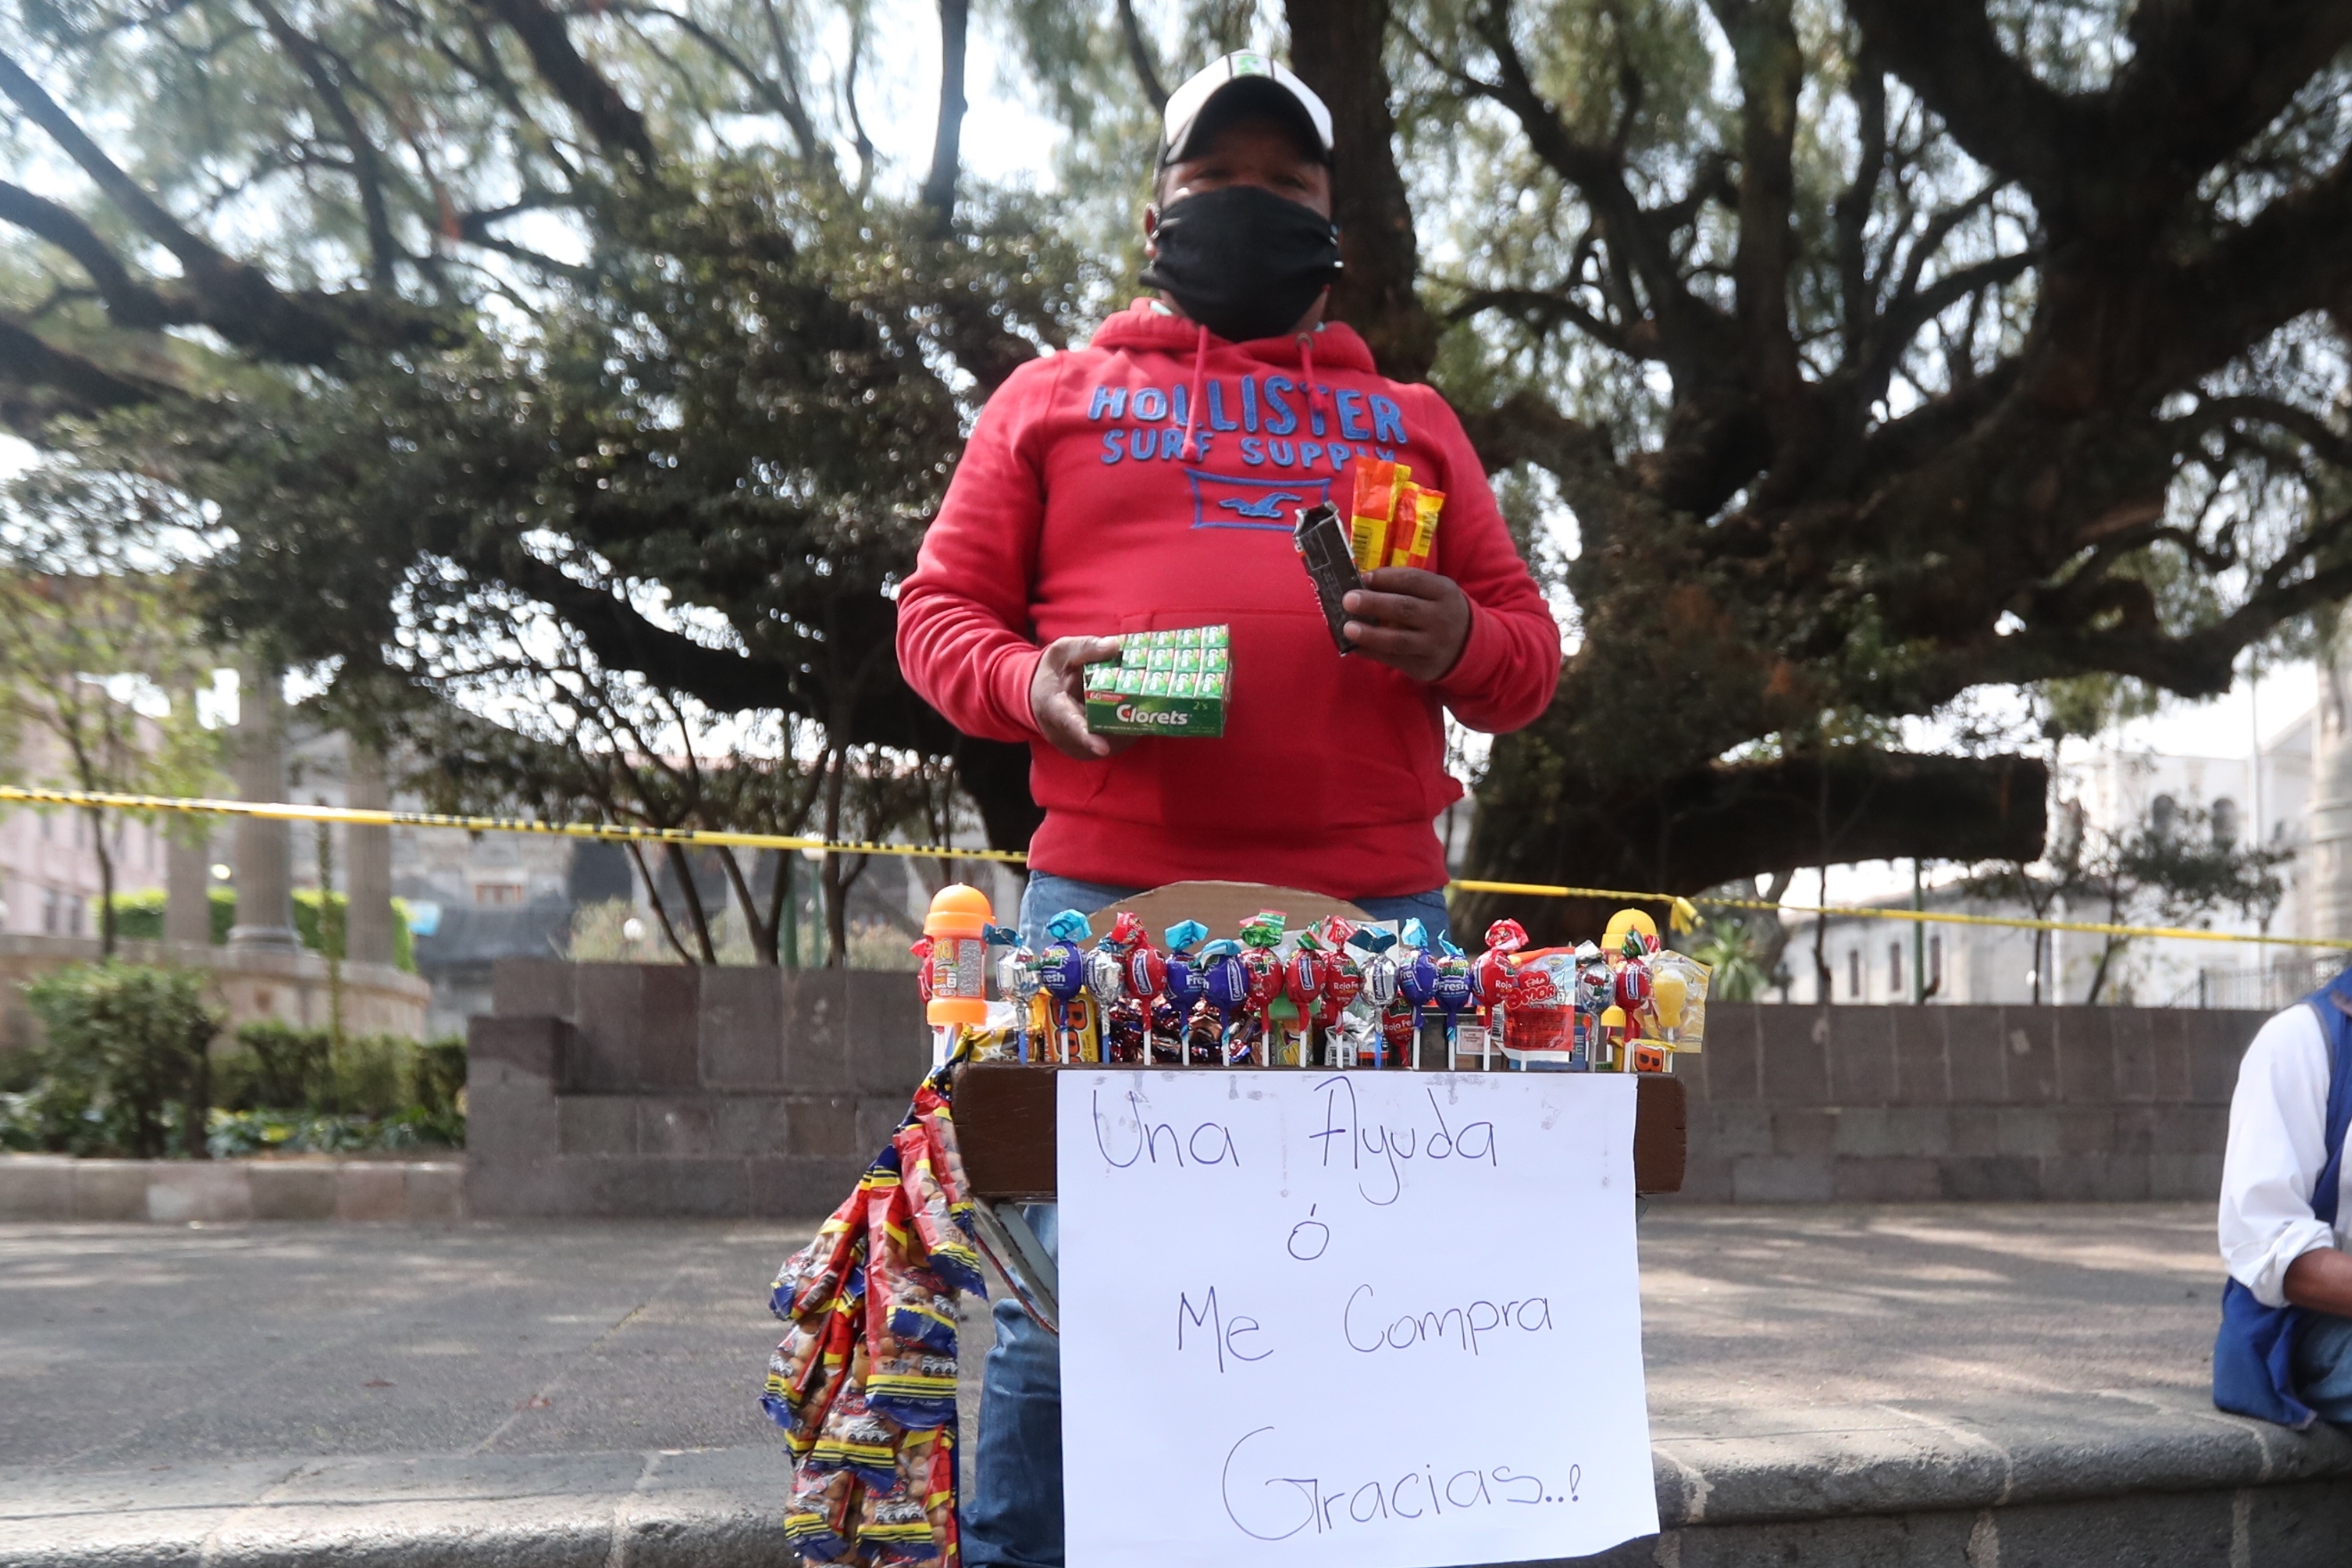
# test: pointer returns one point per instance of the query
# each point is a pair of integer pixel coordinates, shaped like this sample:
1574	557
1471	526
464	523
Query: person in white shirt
2282	1221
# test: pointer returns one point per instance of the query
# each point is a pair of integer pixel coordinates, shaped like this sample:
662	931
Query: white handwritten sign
1384	1320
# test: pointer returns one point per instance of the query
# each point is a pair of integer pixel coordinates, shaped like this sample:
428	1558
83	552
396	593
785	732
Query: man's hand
1058	698
1422	620
2321	1279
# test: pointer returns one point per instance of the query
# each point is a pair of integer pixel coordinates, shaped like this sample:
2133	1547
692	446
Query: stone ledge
2139	1479
717	1509
58	1189
2014	1453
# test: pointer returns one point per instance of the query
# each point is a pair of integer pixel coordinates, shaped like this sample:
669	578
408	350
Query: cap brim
1241	96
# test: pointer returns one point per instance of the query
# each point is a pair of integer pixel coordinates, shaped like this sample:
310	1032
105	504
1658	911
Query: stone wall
617	1089
292	988
624	1089
1811	1104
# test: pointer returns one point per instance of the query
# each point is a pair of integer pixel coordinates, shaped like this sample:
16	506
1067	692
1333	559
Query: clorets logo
1130	713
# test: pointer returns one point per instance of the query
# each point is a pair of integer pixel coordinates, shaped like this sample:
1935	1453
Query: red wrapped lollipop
1490	978
1261	934
1302	983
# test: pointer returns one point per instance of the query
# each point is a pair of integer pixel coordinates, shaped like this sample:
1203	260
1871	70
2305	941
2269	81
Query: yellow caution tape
1684	916
1683	912
360	816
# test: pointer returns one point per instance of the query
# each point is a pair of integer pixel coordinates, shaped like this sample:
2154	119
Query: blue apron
2253	1355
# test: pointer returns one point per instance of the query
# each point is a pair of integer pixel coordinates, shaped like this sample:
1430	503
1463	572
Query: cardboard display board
1383	1320
1221	906
1004	1115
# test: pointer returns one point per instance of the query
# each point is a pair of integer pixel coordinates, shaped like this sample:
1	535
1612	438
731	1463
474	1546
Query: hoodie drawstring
1306	372
1193	398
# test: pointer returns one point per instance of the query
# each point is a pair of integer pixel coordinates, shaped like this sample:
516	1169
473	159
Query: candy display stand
1005	1111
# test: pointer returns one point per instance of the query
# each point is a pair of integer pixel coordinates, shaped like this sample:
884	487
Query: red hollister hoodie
1078	511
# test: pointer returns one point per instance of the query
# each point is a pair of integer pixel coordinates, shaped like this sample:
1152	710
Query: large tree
613	437
1880	352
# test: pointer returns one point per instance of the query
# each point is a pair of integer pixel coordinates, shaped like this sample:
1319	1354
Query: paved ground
217	1374
137	1345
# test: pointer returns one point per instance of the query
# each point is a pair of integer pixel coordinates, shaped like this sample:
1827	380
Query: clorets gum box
1172	684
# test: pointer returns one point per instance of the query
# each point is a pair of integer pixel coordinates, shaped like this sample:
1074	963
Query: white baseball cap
1243	78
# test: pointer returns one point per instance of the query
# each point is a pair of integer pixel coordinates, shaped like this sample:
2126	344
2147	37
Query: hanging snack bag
1371	515
1414	539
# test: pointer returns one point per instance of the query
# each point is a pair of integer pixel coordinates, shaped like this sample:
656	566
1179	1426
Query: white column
187	882
265	850
367	932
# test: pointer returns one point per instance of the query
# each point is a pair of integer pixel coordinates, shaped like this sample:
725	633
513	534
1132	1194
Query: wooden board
1004	1121
1221	906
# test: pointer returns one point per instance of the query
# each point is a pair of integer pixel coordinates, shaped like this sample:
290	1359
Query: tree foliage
1880	352
101	652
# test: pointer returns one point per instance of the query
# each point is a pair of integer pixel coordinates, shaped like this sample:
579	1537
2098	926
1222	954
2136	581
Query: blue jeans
2323	1367
1014	1517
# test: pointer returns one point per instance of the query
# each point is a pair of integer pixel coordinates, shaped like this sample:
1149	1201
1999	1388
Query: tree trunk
1336	46
661	910
1822	988
1689	832
195	1118
947	139
105	883
692	896
762	930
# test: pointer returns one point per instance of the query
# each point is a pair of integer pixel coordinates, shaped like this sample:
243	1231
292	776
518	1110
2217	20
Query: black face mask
1244	262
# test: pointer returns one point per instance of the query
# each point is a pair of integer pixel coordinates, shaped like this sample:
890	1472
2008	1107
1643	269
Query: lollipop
1453	993
1380	979
1016	980
1633	995
1596	991
1228	979
1416	982
1490	975
1302	984
1147	979
921	948
1061	970
1261	934
1184	981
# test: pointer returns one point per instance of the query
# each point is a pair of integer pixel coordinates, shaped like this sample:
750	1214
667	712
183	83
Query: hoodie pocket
1308	750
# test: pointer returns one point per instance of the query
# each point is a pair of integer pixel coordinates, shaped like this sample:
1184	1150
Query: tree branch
781	101
2000	112
39	383
367	168
616	126
1139	55
2201	81
239	302
947	141
1547	309
130	303
1771	70
1701	829
1692	333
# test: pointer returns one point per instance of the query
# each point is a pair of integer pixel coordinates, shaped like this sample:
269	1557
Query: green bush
139	918
125	1047
439	1083
277	1066
235	1133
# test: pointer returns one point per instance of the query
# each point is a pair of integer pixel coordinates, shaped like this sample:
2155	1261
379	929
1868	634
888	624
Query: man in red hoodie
1151	480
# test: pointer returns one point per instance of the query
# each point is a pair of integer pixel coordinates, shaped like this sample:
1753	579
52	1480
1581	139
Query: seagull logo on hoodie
1229	501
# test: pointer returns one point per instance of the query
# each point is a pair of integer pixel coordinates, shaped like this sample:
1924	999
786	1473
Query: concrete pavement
1975	1384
